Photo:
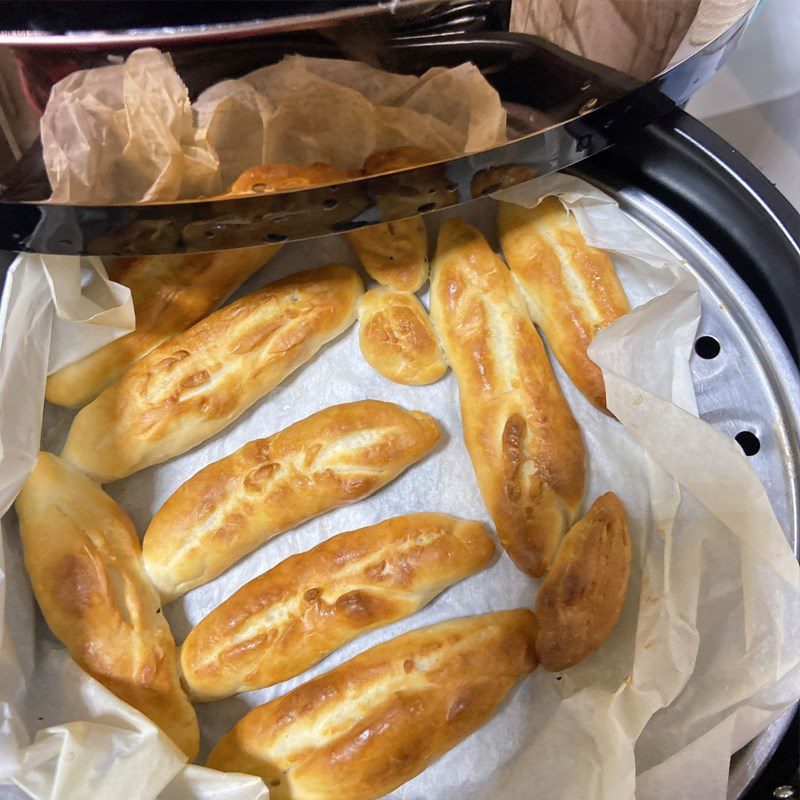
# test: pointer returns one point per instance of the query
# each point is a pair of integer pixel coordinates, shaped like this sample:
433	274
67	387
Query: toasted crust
397	338
571	289
580	599
398	158
194	385
524	443
83	558
334	457
376	721
170	293
287	619
277	177
394	253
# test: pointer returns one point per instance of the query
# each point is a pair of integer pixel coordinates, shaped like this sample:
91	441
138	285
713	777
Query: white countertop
754	100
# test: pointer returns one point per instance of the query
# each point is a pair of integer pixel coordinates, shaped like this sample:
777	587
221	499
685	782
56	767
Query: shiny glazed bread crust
580	599
397	338
194	385
572	290
373	723
83	558
169	294
336	456
281	623
524	443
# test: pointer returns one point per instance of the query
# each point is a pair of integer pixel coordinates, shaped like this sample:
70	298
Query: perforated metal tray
742	240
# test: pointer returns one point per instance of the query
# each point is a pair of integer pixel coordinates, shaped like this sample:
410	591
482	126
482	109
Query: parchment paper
127	132
707	649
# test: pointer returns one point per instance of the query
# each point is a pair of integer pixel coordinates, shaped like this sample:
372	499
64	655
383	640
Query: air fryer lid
574	76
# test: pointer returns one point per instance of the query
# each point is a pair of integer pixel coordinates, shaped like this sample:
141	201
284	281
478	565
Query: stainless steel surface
751	385
575	76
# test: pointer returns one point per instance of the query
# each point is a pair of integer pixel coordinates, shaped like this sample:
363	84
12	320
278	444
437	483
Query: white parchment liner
706	652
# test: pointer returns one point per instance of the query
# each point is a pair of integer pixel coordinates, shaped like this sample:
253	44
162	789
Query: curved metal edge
742	215
117	229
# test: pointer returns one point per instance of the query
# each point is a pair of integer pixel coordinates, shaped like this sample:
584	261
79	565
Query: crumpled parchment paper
128	132
706	652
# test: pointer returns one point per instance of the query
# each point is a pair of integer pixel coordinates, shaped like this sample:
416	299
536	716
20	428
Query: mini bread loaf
84	561
580	599
378	720
524	443
397	337
192	386
571	289
229	508
394	253
283	177
281	623
170	293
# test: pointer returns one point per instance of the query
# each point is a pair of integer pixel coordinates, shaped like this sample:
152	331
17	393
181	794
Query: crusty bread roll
283	177
376	721
276	177
397	338
84	561
192	386
394	253
524	442
281	623
336	456
170	293
572	290
580	599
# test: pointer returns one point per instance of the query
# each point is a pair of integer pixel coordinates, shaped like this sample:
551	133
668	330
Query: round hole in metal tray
707	347
749	442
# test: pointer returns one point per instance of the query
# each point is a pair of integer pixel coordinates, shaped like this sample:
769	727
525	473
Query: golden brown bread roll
170	293
84	561
524	443
192	386
283	177
281	623
397	338
394	253
572	290
376	721
580	599
334	457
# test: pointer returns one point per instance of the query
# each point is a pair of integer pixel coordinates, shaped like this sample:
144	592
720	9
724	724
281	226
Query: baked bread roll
84	561
194	385
170	293
580	599
394	253
378	720
572	290
524	443
231	507
281	623
278	177
397	338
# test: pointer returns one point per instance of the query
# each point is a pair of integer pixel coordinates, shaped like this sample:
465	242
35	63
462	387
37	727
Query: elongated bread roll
194	385
376	721
394	253
276	177
524	442
336	456
580	599
84	561
281	623
397	338
572	290
170	293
